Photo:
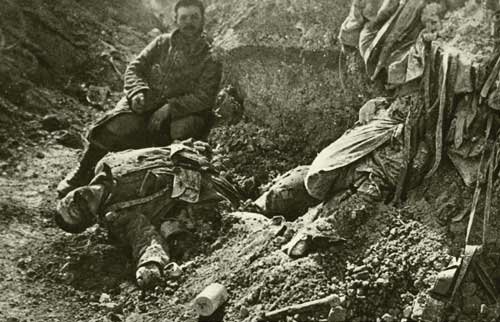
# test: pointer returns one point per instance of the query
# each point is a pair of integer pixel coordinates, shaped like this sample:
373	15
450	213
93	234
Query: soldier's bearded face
189	20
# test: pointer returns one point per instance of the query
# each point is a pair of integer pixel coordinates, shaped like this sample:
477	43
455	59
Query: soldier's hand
148	276
160	116
137	102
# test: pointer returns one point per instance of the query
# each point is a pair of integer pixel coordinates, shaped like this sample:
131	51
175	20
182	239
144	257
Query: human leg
120	129
148	251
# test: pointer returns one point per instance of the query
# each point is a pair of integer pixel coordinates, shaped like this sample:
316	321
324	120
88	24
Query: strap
489	192
140	201
470	251
483	168
439	125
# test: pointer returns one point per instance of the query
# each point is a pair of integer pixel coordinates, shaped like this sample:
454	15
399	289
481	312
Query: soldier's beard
190	31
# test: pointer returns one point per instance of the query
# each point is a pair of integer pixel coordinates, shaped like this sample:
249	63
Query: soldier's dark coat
169	70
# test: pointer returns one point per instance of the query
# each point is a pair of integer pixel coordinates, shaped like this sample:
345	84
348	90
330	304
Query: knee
119	133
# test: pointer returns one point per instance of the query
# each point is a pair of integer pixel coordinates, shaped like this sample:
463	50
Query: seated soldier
170	91
134	192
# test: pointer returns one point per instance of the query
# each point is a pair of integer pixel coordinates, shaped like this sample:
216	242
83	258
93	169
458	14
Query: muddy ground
54	53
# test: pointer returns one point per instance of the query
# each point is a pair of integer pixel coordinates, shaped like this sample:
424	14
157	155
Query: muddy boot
83	173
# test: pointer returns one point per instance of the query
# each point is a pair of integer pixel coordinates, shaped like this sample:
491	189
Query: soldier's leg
120	129
84	171
147	249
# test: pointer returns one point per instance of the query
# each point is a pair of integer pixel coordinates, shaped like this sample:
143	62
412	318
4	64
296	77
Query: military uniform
146	188
170	70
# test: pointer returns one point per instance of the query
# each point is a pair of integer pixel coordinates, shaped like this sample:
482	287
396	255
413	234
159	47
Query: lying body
134	192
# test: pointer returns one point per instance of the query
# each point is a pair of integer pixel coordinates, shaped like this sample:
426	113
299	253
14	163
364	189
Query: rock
40	155
407	311
70	139
418	310
244	313
387	318
54	122
153	33
97	95
24	262
382	281
104	298
110	306
337	314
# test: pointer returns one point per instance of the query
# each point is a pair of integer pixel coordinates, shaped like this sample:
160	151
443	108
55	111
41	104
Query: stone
98	95
109	306
70	139
418	310
104	298
40	155
244	313
407	311
387	318
54	122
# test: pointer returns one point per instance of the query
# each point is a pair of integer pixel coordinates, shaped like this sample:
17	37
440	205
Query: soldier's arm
138	69
204	94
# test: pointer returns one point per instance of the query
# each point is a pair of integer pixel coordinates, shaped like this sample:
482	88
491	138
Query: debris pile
467	30
252	155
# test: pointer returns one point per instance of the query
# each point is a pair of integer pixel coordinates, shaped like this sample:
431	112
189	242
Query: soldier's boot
83	173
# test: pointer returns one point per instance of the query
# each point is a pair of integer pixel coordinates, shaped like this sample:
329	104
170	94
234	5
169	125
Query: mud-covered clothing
374	150
150	186
173	71
363	167
384	32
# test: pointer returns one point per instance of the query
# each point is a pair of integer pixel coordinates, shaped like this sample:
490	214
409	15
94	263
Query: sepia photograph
249	160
